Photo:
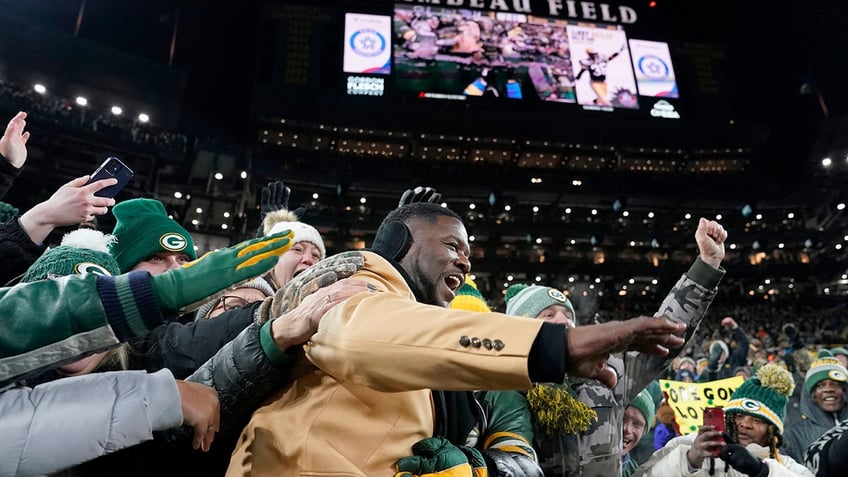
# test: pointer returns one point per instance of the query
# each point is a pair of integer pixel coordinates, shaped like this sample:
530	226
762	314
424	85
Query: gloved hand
326	272
275	196
436	456
420	194
740	459
183	289
513	464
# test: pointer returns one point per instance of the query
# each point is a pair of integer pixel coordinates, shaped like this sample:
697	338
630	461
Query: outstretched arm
73	203
686	303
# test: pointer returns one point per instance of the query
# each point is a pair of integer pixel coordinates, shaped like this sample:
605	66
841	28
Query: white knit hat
283	219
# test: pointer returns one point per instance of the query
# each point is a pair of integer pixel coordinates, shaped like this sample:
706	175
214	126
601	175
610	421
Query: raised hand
71	204
707	444
13	142
275	196
710	237
419	194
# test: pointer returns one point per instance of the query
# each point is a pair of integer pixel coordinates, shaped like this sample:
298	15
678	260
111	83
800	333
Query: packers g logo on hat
173	242
83	268
751	405
837	375
556	295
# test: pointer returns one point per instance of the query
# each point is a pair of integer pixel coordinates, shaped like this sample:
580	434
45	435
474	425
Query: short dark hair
427	210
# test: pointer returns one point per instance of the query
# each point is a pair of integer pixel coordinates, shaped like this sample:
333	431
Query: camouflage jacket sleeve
687	303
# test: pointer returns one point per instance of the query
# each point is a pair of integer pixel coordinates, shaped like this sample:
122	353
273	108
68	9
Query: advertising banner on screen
368	47
688	400
654	71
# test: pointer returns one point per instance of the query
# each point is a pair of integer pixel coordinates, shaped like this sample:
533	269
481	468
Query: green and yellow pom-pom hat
824	367
468	297
764	396
81	251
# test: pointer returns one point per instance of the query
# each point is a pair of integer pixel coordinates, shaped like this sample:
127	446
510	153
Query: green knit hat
824	367
839	350
143	228
468	297
645	404
530	300
764	396
81	251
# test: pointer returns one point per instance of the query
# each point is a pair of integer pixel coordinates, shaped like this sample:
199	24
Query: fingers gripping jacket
183	289
324	273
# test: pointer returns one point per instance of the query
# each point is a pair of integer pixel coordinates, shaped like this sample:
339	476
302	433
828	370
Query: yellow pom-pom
557	411
776	378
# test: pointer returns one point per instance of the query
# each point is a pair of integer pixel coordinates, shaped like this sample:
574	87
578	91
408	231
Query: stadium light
117	110
39	88
82	101
143	118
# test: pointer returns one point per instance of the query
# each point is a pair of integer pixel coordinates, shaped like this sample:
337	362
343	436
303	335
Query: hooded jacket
814	422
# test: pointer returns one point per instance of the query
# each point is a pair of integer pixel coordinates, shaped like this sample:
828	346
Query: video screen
653	67
367	48
458	53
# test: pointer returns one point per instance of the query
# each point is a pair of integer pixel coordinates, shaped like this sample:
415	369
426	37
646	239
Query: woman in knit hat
823	403
307	247
588	439
749	446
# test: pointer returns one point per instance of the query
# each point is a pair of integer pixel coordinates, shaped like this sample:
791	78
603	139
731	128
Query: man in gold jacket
361	393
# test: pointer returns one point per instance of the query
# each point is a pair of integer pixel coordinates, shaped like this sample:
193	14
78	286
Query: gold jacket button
498	344
464	341
475	342
487	343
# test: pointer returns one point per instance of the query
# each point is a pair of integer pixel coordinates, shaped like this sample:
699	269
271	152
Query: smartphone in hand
111	167
714	416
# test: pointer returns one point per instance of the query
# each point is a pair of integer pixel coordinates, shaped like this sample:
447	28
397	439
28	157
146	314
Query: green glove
437	457
183	289
322	274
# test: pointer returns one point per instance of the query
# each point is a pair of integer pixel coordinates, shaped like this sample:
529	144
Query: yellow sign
688	400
